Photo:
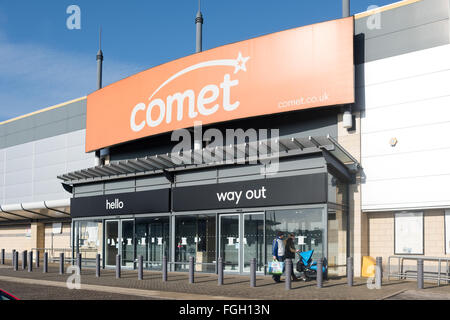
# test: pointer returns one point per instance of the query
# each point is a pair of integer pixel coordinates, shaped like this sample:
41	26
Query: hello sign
296	69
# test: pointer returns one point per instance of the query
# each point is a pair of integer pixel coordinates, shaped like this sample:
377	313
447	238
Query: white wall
406	97
28	171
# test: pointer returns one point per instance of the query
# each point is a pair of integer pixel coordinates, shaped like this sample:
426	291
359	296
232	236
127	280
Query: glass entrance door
127	243
241	239
152	240
111	242
253	242
119	239
229	241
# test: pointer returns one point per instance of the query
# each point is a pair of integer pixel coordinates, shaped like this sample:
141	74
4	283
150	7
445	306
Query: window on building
152	240
306	224
409	233
88	240
337	240
195	236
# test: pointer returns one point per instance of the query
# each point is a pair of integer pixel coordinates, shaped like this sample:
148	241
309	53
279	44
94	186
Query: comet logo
281	72
202	104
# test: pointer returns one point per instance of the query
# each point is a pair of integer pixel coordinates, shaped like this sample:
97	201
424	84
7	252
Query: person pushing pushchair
278	252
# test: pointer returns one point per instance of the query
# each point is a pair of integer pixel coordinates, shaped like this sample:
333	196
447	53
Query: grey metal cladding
195	175
239	171
117	191
77	122
65	119
417	26
96	187
405	17
47	117
151	181
121	184
50	130
20	125
16	138
405	41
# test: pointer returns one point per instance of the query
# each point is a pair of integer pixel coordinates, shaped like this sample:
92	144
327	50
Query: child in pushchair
308	268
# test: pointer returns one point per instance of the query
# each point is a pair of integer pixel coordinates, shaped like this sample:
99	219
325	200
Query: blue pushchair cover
306	257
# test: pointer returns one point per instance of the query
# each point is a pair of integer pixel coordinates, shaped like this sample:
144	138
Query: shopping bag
276	268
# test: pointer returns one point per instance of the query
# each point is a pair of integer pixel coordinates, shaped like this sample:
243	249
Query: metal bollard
288	266
118	266
30	261
45	268
379	272
140	268
16	260
79	261
61	263
320	273
97	266
420	274
37	258
164	269
191	269
220	271
13	258
350	271
253	273
3	256
24	259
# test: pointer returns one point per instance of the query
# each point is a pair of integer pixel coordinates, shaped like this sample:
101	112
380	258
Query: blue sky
42	63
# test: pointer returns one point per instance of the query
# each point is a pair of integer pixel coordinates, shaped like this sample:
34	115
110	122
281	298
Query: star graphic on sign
240	63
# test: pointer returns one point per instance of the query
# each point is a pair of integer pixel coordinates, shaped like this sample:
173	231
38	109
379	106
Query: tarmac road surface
39	292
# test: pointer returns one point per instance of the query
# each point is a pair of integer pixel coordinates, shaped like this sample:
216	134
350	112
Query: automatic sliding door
230	242
253	241
242	239
112	242
152	240
127	250
195	236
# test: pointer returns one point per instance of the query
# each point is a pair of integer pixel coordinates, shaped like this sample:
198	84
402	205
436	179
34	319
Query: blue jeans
276	278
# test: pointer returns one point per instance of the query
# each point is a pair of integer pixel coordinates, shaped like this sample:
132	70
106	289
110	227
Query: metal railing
437	276
54	254
185	263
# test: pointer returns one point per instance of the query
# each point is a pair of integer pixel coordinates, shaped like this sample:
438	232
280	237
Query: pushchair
308	268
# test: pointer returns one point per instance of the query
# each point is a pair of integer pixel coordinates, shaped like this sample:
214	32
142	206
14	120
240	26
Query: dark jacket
290	249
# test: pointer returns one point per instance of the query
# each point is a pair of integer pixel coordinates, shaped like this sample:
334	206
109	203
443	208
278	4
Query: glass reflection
88	240
127	243
253	245
112	242
306	224
195	236
152	240
229	241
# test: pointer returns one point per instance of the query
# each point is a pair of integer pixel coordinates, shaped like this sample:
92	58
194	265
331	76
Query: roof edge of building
385	8
44	110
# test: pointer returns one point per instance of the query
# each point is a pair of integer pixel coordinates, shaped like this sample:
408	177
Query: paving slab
25	291
420	295
235	287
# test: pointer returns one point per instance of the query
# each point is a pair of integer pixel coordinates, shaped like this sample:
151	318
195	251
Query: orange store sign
296	69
